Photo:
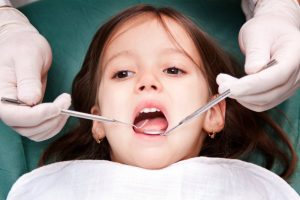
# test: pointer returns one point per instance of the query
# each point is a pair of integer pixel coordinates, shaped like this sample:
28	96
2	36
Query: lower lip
149	137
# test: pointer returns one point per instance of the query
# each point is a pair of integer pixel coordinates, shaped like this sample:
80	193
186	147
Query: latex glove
25	58
39	122
273	33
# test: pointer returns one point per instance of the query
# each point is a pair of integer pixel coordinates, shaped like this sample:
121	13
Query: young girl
154	65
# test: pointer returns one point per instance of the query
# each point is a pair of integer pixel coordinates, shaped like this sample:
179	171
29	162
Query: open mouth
150	120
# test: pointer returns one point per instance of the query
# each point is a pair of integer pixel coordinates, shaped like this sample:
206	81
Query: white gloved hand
25	58
273	33
39	122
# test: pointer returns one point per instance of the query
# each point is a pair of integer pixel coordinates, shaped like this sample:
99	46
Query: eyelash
173	71
115	76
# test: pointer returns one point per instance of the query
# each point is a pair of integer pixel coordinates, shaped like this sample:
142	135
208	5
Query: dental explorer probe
78	114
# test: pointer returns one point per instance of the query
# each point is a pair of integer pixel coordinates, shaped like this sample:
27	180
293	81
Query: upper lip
149	104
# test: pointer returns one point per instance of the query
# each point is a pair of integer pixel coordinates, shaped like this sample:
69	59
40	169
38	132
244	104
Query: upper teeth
147	110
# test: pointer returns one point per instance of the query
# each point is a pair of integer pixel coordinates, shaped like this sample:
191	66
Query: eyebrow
181	52
121	53
172	50
132	54
178	51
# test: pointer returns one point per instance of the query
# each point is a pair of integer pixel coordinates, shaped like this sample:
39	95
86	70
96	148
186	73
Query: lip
149	104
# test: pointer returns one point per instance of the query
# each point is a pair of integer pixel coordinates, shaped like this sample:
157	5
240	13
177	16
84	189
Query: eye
174	71
123	74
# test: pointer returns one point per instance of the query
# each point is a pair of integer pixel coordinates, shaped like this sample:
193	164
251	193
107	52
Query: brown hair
245	132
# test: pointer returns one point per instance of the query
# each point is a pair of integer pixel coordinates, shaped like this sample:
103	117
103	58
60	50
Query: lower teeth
153	132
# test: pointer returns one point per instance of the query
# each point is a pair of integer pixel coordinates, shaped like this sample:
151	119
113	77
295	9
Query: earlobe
97	129
214	120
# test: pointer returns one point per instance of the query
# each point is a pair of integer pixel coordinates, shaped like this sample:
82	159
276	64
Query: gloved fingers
268	99
25	116
261	108
263	81
61	124
45	130
7	85
224	81
259	98
256	47
257	102
287	69
28	76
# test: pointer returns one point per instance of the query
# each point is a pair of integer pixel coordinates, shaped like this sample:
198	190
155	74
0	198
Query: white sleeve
5	3
253	7
248	8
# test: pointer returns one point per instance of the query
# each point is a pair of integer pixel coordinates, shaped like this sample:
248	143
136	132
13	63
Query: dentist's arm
271	32
25	58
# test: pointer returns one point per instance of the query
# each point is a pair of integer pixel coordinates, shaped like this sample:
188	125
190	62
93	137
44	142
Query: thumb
45	120
225	81
63	101
256	48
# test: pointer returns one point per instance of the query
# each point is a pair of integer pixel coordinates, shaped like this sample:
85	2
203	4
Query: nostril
154	87
142	87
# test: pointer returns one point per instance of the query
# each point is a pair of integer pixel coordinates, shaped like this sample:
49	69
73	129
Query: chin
152	162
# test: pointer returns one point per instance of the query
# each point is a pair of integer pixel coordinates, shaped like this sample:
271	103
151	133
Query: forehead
146	34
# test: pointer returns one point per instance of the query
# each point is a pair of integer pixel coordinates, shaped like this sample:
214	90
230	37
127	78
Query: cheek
109	99
114	100
191	93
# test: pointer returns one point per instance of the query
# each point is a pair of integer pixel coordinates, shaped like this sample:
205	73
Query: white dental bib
196	178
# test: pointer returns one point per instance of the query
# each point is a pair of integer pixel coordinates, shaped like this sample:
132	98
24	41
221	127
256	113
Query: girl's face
146	75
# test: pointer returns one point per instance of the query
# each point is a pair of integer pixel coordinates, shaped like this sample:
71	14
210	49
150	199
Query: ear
97	129
214	120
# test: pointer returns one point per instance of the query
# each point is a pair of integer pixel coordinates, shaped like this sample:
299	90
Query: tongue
154	124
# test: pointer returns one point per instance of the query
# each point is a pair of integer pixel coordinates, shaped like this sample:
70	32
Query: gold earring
212	134
99	140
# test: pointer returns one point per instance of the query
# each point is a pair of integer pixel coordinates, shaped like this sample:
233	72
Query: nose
148	82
